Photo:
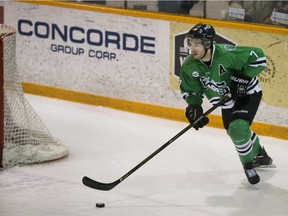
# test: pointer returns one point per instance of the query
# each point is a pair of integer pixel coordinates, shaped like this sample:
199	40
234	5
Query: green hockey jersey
198	80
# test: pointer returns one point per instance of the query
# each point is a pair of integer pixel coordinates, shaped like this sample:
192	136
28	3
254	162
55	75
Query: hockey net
25	138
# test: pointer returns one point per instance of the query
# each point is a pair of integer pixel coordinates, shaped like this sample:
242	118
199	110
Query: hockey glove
239	83
194	112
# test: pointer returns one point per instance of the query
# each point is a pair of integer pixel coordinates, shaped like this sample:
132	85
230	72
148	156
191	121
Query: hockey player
215	70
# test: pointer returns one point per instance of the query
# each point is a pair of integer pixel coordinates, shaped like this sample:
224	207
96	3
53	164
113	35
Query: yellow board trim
160	16
149	109
276	131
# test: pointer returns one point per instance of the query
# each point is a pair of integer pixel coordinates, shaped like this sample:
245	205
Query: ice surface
198	174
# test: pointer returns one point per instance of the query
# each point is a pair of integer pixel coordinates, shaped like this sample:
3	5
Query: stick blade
98	185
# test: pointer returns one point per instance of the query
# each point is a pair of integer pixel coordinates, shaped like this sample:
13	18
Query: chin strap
204	53
211	47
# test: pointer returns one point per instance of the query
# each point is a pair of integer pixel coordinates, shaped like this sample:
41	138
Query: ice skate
262	159
252	176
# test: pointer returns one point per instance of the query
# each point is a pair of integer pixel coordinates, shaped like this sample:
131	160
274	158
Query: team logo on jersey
220	87
230	47
195	74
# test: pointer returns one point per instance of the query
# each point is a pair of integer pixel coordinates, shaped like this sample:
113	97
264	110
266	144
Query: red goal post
5	31
25	139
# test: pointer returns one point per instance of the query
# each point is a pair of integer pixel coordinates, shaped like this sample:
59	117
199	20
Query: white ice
198	174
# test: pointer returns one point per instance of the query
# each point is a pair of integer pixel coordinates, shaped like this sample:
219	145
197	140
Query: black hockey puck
100	205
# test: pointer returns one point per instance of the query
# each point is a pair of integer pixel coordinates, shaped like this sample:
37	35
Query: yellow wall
141	108
180	23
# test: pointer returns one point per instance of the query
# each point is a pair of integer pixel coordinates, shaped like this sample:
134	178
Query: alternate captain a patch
221	69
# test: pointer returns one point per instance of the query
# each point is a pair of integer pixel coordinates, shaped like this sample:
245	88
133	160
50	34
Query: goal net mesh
26	138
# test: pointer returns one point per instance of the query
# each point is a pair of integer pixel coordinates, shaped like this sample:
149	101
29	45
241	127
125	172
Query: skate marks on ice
266	198
199	174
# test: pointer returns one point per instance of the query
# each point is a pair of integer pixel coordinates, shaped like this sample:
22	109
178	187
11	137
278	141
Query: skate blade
266	166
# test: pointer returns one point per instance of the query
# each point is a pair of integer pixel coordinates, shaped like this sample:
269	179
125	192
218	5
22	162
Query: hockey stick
108	186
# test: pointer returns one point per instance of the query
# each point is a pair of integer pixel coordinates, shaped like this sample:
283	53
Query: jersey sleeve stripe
259	62
253	83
